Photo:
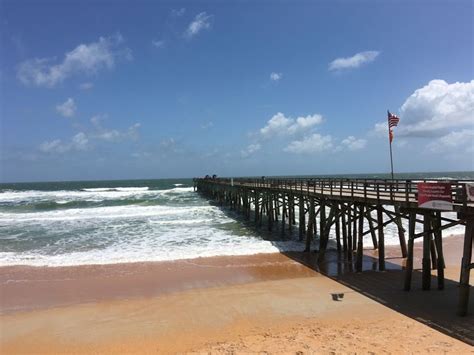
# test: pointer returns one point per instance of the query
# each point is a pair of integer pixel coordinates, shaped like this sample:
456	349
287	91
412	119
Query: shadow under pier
434	308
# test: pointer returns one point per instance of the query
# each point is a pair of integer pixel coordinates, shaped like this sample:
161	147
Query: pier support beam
436	223
360	242
381	238
349	233
301	217
426	262
401	233
411	242
466	267
338	227
283	214
310	229
344	228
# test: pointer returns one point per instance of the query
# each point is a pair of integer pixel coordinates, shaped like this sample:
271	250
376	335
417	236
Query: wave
104	189
99	213
93	194
178	185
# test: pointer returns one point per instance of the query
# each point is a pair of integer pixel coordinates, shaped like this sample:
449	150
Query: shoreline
264	302
27	288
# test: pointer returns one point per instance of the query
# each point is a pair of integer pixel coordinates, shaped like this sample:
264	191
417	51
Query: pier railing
381	190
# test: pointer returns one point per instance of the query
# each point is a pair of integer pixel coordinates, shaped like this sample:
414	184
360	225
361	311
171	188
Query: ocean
105	222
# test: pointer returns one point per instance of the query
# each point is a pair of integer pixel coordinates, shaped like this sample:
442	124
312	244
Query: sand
262	303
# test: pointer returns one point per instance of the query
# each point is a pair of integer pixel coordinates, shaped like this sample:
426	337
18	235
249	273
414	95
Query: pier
354	208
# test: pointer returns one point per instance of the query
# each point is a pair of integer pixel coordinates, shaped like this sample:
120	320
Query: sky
159	89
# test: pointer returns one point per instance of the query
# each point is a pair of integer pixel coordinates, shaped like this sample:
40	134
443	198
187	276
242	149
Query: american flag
392	120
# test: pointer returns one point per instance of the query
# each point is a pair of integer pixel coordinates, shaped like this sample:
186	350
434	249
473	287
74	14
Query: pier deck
345	205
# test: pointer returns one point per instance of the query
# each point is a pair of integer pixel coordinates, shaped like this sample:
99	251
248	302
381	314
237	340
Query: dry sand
261	303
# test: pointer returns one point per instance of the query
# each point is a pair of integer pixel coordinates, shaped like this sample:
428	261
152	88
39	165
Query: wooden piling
349	233
372	229
283	214
310	229
360	247
338	228
301	228
426	262
436	225
322	222
466	266
411	242
401	233
257	198
354	228
344	229
381	244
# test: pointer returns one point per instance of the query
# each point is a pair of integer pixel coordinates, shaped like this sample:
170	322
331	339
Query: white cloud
249	150
462	140
353	143
109	135
86	86
67	108
85	58
51	146
168	143
158	43
97	120
79	142
276	76
434	109
207	125
353	62
200	22
279	125
314	143
178	12
113	135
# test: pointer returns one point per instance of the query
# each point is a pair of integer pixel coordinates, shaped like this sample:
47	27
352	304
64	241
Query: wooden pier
348	206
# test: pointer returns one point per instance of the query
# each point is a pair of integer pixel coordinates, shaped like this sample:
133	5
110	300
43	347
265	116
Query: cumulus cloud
85	58
249	150
86	86
435	109
202	21
67	108
158	43
279	125
462	140
314	143
353	62
112	135
207	125
353	143
178	12
79	142
83	140
276	76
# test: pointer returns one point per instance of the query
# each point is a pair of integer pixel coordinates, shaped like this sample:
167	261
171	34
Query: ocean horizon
120	221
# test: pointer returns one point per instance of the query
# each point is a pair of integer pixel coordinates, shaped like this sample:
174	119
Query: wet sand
266	302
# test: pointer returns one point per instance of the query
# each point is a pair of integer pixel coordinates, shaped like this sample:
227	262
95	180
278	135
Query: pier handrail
381	190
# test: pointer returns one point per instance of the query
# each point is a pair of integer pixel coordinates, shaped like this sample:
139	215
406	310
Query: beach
276	302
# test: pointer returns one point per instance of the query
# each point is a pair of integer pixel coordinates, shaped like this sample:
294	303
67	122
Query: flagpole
391	158
390	143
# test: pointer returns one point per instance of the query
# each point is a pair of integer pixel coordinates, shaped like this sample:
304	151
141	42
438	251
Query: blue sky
150	89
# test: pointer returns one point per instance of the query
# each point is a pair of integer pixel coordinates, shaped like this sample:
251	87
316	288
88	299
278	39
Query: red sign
435	195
